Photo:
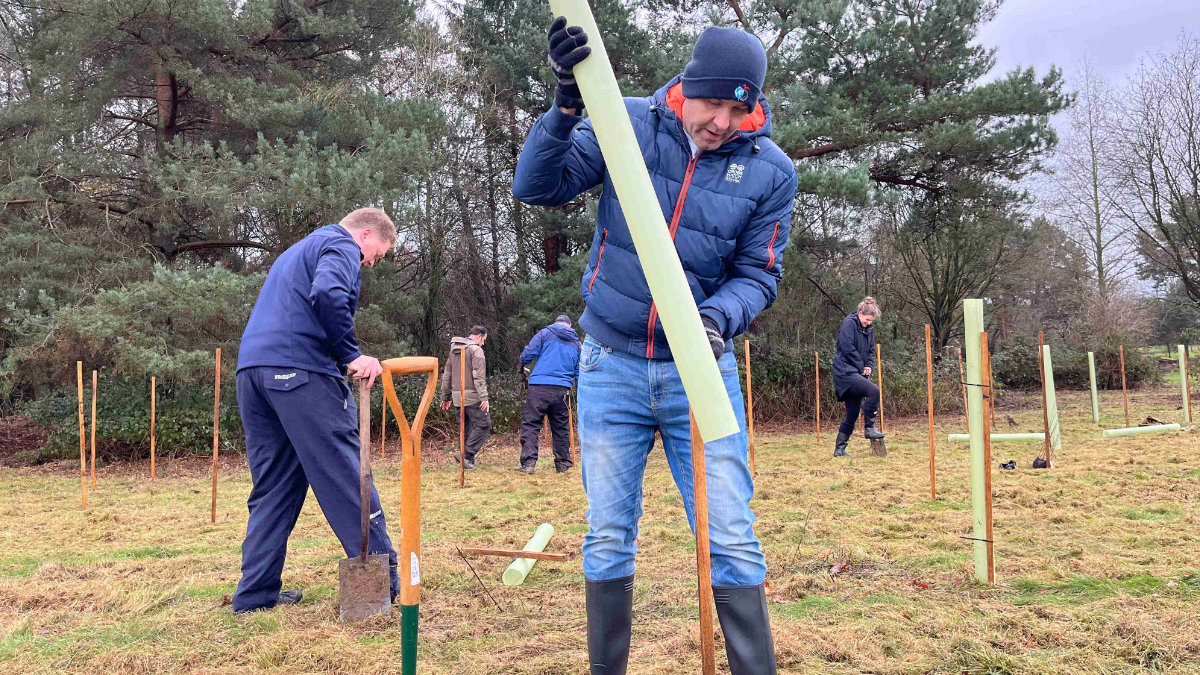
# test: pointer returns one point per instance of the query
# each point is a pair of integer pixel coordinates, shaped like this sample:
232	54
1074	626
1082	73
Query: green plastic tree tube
1051	402
1138	431
519	569
652	241
973	320
1183	387
1095	398
959	438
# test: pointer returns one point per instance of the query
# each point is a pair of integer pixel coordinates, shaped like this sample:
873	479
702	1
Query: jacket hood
563	332
669	99
458	343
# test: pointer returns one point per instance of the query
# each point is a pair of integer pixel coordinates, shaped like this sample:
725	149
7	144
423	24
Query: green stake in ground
1095	398
973	318
1140	431
1051	403
651	237
519	569
959	438
1183	386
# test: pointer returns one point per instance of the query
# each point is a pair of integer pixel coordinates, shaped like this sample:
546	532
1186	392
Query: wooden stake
153	388
528	555
817	370
82	438
879	366
1045	411
1124	394
383	429
1187	385
462	417
94	376
571	425
750	410
962	378
929	398
987	454
992	405
216	430
708	650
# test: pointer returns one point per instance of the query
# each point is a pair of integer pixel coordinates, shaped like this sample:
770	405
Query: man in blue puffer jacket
726	191
556	349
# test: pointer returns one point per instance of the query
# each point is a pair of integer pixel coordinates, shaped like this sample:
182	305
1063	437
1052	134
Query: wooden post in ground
571	424
216	431
817	370
929	401
1124	393
1187	384
1045	411
1183	386
962	378
708	650
992	403
750	410
94	380
462	417
988	405
879	367
153	390
82	438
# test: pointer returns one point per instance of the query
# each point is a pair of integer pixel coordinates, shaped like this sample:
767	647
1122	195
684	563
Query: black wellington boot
609	622
746	625
871	433
839	450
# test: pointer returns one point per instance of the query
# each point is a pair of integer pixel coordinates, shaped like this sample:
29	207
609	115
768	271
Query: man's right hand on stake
365	367
445	405
566	51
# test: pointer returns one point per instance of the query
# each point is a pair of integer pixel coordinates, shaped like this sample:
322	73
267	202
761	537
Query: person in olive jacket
853	364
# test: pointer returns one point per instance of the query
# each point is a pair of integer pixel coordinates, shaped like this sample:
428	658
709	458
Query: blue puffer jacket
855	352
304	315
729	212
556	348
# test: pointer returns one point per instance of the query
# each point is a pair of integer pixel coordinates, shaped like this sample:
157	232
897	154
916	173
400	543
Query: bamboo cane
708	651
750	410
1045	410
153	390
82	438
1124	393
879	367
962	378
571	425
94	378
462	417
817	370
216	431
929	400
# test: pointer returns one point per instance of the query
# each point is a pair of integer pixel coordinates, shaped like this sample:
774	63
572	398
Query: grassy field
1098	564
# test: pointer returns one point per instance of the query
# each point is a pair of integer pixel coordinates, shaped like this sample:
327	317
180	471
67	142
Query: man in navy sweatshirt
300	419
556	350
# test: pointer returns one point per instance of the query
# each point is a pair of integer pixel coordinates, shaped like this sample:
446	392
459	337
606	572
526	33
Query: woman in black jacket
853	364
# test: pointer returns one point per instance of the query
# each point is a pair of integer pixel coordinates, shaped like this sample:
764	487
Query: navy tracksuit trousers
301	430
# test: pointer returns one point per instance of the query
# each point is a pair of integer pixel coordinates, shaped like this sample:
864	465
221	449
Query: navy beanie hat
726	64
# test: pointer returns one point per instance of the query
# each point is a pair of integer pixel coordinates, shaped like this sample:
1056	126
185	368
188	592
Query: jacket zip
675	217
599	258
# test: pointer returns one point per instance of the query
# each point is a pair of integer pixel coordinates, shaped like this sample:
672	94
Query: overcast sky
1112	34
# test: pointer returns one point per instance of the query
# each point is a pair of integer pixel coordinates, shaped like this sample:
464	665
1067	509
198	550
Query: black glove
715	339
566	51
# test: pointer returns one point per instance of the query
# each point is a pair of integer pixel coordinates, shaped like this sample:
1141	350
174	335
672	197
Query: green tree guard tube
519	569
1095	398
1138	431
1051	402
973	319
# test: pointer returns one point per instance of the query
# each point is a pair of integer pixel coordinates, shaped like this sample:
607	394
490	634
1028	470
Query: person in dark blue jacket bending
852	365
556	350
300	419
726	191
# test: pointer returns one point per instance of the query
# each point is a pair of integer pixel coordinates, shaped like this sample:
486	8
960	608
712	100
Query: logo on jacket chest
734	173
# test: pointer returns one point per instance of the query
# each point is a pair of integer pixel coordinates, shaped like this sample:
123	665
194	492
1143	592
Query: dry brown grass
1097	564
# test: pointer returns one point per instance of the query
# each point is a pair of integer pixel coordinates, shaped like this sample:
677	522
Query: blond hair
373	219
869	307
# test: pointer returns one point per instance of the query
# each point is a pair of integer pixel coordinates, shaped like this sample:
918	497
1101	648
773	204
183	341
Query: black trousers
542	400
479	427
863	394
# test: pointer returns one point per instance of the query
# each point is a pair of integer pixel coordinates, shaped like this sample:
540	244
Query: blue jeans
623	400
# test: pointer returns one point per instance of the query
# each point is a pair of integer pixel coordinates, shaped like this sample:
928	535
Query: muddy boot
742	611
609	622
839	450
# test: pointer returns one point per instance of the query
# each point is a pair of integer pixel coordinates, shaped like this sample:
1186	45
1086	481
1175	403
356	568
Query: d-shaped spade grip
410	496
